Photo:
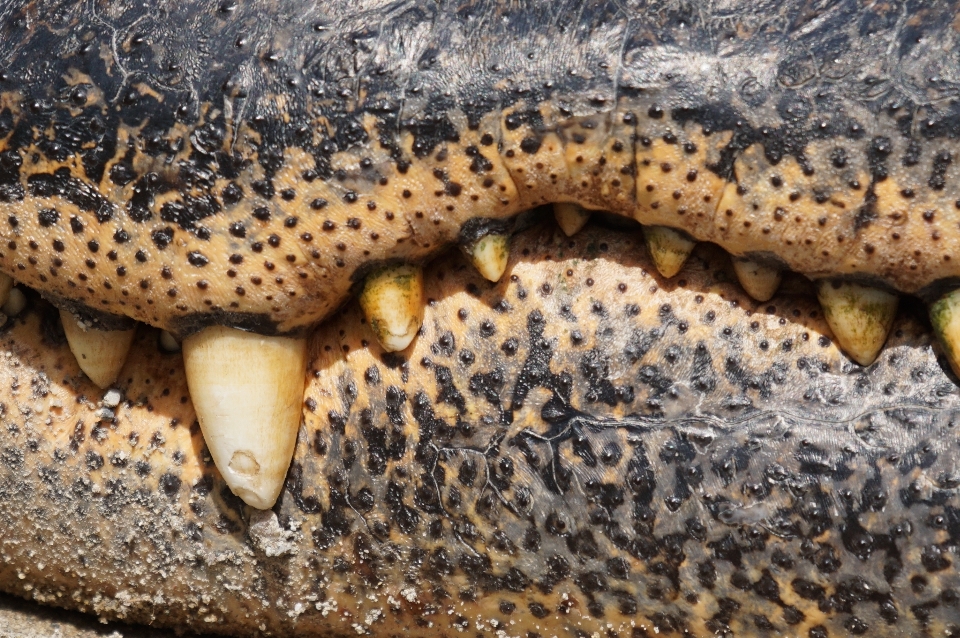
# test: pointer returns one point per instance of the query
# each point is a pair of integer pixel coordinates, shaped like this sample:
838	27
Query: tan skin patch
425	422
674	187
793	215
287	249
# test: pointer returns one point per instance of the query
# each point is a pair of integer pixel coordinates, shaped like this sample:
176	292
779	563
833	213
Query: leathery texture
581	448
247	163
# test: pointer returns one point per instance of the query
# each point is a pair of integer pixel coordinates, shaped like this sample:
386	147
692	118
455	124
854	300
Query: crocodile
264	400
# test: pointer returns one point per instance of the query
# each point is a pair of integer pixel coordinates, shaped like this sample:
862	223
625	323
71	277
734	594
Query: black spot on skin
264	188
48	217
163	237
231	194
877	153
188	211
941	162
530	145
75	191
170	485
197	259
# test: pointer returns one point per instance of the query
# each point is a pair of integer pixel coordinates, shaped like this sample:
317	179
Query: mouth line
255	468
243	391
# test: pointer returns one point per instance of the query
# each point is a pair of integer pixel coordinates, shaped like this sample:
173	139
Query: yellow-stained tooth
392	301
489	255
760	281
247	390
100	353
945	317
860	317
570	217
669	248
16	302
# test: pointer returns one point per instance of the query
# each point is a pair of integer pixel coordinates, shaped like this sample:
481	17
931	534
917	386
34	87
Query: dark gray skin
664	470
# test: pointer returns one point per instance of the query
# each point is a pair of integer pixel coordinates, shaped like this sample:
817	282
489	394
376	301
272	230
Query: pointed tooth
860	317
570	217
392	301
489	255
760	281
100	353
15	303
945	317
167	342
669	248
247	390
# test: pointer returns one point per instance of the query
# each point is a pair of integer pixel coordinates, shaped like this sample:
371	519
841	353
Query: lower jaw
696	459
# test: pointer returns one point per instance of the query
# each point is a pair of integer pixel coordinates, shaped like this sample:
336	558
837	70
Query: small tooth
15	304
6	285
168	343
945	317
570	217
392	300
100	353
489	255
669	248
859	316
247	390
760	282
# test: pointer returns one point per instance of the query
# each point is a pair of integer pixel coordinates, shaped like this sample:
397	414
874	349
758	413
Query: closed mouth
234	347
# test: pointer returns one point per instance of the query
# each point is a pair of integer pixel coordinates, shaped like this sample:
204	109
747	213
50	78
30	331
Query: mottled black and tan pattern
225	162
583	449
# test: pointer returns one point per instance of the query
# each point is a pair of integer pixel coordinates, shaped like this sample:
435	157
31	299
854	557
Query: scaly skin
664	470
185	164
584	436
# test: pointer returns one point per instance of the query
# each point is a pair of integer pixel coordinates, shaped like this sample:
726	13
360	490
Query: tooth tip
101	354
247	390
167	342
860	317
945	317
396	343
570	217
668	248
759	281
489	255
16	302
392	301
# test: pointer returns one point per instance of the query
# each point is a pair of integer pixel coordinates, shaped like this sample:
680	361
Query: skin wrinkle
314	113
800	488
568	454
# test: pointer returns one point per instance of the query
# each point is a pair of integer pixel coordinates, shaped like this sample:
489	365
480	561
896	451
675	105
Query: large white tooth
100	353
570	217
760	281
392	301
945	317
489	255
859	316
247	390
669	248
